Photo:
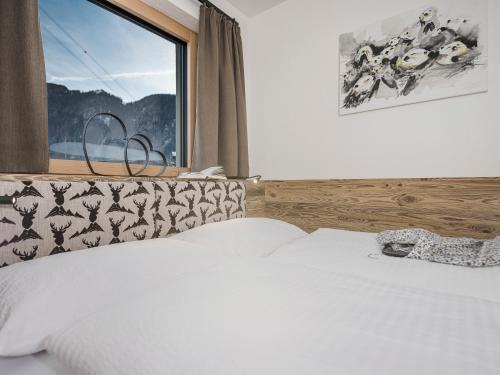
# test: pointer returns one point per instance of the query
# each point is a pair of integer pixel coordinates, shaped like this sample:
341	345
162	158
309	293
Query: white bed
324	303
357	254
35	364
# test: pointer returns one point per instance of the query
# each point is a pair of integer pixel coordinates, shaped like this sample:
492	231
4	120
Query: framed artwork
437	51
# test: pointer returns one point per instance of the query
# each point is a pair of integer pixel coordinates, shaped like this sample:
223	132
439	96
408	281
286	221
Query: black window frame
181	76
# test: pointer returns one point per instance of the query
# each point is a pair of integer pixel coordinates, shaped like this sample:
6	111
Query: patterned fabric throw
424	245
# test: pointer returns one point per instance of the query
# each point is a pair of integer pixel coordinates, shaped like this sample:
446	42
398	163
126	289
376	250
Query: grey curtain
23	91
221	130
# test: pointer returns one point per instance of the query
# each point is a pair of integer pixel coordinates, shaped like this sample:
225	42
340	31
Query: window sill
78	167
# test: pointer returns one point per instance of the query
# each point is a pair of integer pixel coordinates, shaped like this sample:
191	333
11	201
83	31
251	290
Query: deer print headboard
51	217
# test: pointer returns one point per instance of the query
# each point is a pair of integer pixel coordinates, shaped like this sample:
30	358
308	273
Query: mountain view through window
99	61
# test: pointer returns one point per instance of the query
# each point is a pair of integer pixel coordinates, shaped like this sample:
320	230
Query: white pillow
45	295
243	237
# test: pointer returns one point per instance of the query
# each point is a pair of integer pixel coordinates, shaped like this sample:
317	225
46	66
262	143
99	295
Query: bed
248	296
35	364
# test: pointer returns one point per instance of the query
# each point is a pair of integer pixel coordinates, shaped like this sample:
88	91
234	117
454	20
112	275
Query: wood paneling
156	18
78	167
460	207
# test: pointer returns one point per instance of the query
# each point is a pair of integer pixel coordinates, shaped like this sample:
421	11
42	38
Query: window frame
156	21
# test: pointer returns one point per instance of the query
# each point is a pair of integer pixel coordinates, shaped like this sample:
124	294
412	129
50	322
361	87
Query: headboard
60	215
448	206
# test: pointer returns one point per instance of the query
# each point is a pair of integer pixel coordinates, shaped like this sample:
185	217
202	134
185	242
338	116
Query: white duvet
327	303
302	310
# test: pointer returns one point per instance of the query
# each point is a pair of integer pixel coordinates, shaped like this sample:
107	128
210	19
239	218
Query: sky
89	48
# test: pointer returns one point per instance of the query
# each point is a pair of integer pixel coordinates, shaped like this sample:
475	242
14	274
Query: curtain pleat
241	107
221	130
23	94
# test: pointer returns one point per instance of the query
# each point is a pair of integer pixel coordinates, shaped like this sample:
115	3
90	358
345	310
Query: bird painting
418	56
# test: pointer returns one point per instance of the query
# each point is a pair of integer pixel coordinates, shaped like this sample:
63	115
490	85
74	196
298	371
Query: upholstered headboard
50	217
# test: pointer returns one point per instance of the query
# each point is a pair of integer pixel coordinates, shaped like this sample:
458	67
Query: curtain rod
219	10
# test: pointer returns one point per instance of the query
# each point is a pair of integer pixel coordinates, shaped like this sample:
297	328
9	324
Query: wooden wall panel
460	207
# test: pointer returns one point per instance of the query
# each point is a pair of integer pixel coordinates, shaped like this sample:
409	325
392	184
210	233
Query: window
101	59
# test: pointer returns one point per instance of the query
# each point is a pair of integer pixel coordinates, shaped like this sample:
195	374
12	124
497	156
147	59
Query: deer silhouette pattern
115	229
52	217
90	244
173	222
26	255
172	201
58	233
27	222
191	213
198	203
203	193
59	191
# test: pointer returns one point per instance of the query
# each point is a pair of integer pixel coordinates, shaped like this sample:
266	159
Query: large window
101	59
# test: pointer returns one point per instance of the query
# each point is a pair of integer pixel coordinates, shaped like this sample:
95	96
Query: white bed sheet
357	254
38	364
328	303
319	305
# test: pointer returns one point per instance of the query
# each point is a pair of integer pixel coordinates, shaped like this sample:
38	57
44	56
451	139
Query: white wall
296	133
187	12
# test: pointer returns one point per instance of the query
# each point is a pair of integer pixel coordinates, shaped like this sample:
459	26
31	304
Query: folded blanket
425	245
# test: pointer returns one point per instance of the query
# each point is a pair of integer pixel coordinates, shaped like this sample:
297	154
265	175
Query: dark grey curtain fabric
221	130
23	93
